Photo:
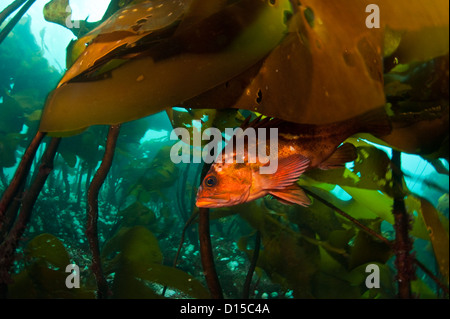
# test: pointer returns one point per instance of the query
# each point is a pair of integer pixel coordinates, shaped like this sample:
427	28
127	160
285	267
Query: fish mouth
211	203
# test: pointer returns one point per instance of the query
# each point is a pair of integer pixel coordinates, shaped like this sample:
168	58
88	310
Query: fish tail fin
375	122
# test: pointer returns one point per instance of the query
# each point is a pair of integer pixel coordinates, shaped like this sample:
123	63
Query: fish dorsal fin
344	154
291	195
289	171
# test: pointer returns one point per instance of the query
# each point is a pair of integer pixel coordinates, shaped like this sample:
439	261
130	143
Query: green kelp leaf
140	280
317	217
380	204
368	204
130	247
165	77
173	278
331	280
60	12
138	269
70	158
341	238
422	290
135	244
137	214
356	209
57	11
438	236
414	209
336	281
370	171
37	281
44	275
161	173
287	257
35	116
443	204
366	249
127	286
50	249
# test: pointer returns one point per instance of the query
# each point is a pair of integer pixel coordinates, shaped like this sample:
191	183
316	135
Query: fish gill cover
87	179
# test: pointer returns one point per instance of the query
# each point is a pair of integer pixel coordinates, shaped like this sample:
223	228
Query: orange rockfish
300	147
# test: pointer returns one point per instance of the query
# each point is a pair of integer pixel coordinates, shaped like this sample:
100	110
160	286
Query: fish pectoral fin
344	154
291	195
288	172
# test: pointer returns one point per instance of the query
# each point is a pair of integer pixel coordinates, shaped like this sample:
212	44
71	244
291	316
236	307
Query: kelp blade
147	85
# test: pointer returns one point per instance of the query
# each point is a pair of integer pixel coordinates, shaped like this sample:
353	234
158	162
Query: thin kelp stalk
80	177
207	257
251	270
21	174
9	245
183	192
206	252
3	179
432	276
350	218
183	235
65	179
10	9
88	178
404	261
11	24
92	210
181	196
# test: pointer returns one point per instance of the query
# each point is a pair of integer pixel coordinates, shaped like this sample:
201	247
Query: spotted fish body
300	148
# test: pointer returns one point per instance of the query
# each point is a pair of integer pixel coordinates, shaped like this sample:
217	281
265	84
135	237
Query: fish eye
210	181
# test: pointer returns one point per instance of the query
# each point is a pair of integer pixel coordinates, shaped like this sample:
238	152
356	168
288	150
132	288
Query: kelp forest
87	180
